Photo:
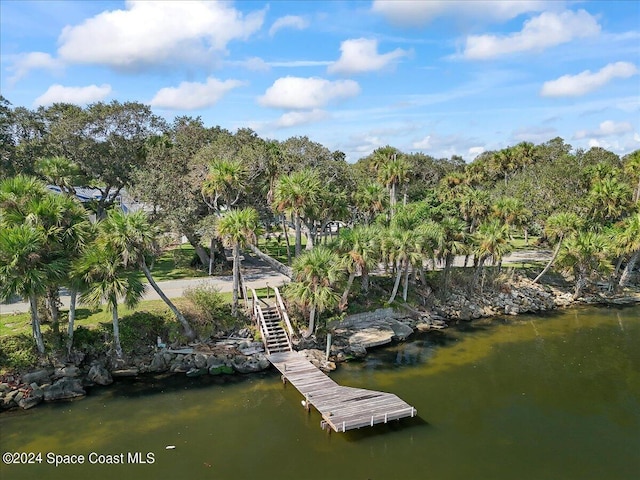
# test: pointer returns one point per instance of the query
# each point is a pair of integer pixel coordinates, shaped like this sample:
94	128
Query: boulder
159	363
199	361
68	371
39	376
400	330
99	375
372	336
63	389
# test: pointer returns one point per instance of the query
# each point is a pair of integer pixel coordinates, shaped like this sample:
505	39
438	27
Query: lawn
175	264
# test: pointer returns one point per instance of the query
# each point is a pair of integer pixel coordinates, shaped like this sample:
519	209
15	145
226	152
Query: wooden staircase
272	321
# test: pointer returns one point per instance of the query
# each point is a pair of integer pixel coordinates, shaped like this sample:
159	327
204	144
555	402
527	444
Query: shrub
140	330
208	310
17	352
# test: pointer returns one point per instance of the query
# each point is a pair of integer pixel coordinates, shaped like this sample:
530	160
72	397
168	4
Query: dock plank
342	408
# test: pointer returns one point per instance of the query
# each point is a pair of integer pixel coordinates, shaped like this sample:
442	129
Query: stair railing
257	312
283	313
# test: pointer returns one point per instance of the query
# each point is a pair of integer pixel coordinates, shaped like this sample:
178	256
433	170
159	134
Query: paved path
256	274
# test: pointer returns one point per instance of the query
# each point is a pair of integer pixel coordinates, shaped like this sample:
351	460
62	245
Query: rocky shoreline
239	354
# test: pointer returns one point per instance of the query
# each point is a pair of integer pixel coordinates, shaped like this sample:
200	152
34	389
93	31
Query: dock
341	408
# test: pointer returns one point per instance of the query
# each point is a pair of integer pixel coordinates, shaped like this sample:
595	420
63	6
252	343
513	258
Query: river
529	397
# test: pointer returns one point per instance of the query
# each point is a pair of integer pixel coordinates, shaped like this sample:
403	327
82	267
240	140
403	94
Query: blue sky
439	77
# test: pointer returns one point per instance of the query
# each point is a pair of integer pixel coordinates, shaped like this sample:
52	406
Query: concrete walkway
257	274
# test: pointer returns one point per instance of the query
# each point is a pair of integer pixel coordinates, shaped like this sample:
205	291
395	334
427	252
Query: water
529	397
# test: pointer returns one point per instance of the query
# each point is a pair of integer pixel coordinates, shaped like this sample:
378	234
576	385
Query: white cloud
421	12
289	21
255	64
585	82
475	151
296	93
292	119
75	95
32	61
423	144
361	55
534	134
152	33
193	95
546	30
607	128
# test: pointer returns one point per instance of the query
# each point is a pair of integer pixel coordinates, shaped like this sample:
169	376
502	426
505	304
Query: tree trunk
553	259
188	331
236	279
53	302
298	227
35	323
396	284
72	319
392	199
626	273
273	263
581	282
479	269
345	295
211	256
116	329
200	251
312	322
405	290
286	239
310	237
365	279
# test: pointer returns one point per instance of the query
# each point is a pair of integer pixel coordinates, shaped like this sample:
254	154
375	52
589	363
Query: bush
90	341
17	352
141	330
208	311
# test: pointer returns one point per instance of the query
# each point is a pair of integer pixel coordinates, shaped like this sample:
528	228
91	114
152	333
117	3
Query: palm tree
26	269
452	241
60	218
609	199
392	173
316	272
108	278
371	199
358	247
511	211
632	168
297	193
225	181
237	229
132	237
59	171
586	255
403	248
630	241
491	241
557	228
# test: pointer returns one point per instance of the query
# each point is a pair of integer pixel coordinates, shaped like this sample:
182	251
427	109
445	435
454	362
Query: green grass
175	264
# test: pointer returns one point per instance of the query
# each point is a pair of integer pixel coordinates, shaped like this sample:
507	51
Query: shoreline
352	337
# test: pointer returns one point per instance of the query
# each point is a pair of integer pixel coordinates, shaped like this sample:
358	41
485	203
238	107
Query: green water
554	397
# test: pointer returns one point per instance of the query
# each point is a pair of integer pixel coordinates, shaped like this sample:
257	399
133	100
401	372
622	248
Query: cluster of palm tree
48	242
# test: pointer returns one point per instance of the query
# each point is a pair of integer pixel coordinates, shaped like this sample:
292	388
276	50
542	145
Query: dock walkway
341	408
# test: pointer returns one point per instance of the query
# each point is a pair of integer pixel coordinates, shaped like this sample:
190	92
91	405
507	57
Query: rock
220	369
200	361
372	336
159	363
36	395
197	372
400	330
125	372
68	371
63	389
39	376
99	375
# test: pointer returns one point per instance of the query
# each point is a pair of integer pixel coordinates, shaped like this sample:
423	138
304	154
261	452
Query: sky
439	77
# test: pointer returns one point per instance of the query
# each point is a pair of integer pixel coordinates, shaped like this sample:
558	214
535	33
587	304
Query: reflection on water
530	397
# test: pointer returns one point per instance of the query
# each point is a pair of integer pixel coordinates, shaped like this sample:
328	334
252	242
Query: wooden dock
342	408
